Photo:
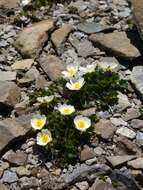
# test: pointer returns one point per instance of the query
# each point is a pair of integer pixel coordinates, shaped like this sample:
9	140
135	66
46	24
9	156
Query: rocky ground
35	46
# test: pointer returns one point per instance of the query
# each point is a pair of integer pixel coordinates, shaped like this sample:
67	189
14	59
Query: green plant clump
60	114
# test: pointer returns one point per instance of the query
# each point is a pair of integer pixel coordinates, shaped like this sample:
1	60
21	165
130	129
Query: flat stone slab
137	79
12	129
7	76
117	44
137	7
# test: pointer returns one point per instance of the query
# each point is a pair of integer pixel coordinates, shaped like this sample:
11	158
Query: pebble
9	177
136	164
139	138
124	131
82	185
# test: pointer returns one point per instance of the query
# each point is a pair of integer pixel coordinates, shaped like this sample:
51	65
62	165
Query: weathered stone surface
137	123
17	158
59	36
136	164
7	76
9	93
137	78
11	129
9	4
52	66
118	160
24	64
123	102
105	129
137	7
109	63
31	40
87	153
139	138
3	187
27	182
101	185
132	113
116	43
124	131
82	185
9	177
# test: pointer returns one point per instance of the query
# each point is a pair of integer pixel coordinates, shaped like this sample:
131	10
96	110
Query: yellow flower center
39	123
77	86
45	138
66	110
71	71
81	124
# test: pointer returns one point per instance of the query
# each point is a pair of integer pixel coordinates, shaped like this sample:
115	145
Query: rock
41	82
27	183
12	129
87	153
105	129
9	177
137	7
22	171
1	172
3	187
17	158
123	102
9	4
83	47
116	43
31	40
118	160
139	138
32	74
101	185
137	78
98	151
52	66
91	161
124	131
59	36
9	93
79	5
136	164
92	27
132	113
24	64
109	62
118	122
82	185
88	112
7	76
137	124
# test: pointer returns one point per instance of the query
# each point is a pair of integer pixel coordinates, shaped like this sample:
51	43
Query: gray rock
123	102
31	40
3	44
9	4
12	129
124	131
27	183
137	124
17	158
105	129
118	160
9	93
139	138
136	164
137	78
86	154
7	76
82	185
24	64
22	171
132	113
92	27
109	62
52	66
116	43
79	5
118	121
101	185
98	151
9	177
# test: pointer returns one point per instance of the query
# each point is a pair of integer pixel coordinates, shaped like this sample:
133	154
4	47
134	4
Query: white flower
82	123
44	137
75	84
66	109
38	122
87	69
45	99
25	2
71	71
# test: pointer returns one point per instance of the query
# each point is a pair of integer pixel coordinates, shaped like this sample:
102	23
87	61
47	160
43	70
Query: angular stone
137	7
137	123
92	27
139	138
124	131
116	43
22	171
17	158
9	4
136	164
9	177
82	185
59	36
7	76
118	121
24	64
31	40
3	187
12	129
118	160
105	129
86	154
101	185
123	102
9	93
27	183
52	66
109	62
137	79
131	113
